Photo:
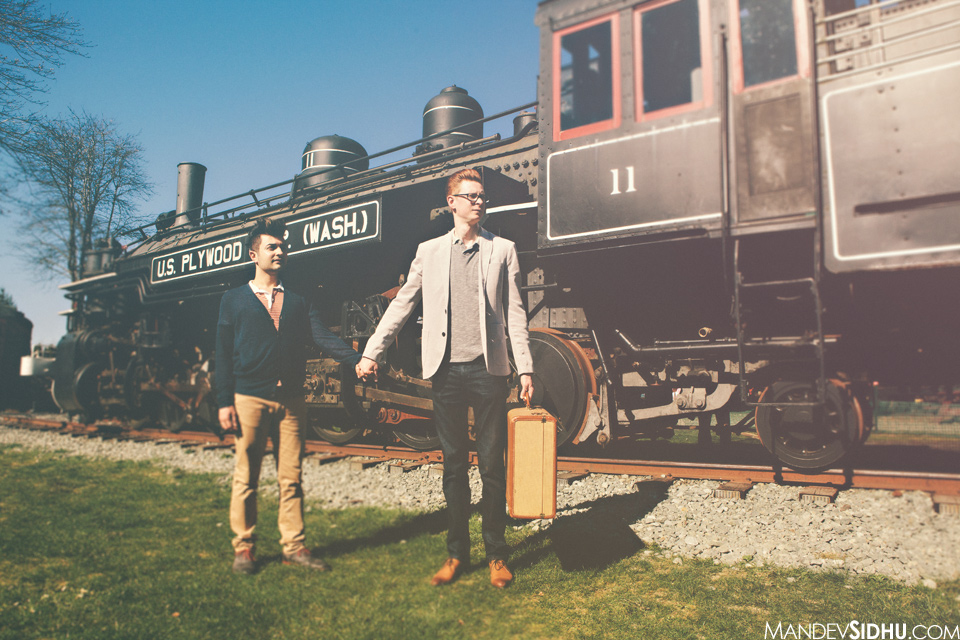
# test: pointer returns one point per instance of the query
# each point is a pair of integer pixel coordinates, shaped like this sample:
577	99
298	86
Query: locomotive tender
718	204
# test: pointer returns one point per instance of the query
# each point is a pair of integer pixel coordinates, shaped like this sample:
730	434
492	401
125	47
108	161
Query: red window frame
705	63
594	127
801	21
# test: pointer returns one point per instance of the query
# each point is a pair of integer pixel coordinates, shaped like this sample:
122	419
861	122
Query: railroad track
945	487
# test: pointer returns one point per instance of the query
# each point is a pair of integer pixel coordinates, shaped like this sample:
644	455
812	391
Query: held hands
367	368
526	388
228	419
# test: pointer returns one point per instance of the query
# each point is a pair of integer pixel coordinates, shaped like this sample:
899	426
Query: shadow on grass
431	523
434	522
594	538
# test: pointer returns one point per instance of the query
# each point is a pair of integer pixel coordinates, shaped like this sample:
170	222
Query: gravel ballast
863	532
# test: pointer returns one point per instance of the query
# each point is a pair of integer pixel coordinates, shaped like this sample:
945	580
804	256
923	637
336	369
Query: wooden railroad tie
659	485
436	471
823	495
734	490
216	445
566	478
360	465
109	431
946	503
324	459
403	467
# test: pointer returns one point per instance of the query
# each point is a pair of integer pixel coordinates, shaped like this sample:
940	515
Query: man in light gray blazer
469	281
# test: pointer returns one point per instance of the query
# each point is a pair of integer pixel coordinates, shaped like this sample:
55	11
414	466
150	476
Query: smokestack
190	176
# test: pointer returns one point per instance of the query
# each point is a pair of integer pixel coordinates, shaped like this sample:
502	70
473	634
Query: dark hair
265	226
453	182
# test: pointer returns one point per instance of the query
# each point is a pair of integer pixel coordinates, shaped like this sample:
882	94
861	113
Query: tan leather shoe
447	572
500	576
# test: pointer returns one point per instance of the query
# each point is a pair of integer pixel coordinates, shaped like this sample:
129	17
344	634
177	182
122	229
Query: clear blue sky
242	86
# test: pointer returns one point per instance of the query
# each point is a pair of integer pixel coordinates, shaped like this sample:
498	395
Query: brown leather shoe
447	572
304	559
500	576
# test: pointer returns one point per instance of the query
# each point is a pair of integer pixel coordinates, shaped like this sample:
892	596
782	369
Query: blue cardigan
252	355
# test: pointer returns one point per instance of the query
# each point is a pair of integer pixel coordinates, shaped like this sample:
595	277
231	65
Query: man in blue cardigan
261	362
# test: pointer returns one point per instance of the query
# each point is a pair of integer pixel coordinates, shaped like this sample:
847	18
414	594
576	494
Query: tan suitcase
531	464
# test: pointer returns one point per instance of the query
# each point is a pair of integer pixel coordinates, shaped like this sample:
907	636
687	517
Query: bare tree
32	45
6	300
85	179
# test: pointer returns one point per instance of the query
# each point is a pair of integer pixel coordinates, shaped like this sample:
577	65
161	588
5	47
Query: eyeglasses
473	197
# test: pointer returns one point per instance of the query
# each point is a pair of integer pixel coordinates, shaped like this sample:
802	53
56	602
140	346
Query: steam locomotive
718	205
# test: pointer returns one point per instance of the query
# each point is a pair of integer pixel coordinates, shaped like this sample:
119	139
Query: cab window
768	40
670	64
586	81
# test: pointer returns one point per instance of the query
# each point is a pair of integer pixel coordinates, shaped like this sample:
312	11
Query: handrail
269	201
885	43
880	47
886	63
870	8
886	4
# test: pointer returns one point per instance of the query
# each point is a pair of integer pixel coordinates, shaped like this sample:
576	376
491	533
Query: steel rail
936	483
837	478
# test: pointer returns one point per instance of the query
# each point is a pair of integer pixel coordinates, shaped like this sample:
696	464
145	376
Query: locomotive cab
715	176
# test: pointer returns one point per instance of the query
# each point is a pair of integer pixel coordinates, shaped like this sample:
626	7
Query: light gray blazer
498	298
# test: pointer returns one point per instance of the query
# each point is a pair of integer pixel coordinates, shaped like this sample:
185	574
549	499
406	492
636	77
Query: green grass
96	549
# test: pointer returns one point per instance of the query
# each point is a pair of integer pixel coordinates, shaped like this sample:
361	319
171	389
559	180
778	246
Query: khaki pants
282	422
